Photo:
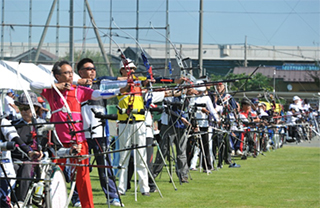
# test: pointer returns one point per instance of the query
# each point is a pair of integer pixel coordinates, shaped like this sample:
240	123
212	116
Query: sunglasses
131	68
89	68
24	108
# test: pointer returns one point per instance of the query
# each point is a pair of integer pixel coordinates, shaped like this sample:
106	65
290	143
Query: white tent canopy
29	73
9	79
48	69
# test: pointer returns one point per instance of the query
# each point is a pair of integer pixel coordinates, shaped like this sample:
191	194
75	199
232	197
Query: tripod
159	154
202	135
224	147
132	133
169	135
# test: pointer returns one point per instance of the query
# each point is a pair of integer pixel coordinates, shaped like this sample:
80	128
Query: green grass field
287	177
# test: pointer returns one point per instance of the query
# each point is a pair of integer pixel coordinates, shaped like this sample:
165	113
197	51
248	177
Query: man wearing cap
43	112
229	112
132	132
25	133
262	110
201	116
254	105
71	110
247	118
9	134
292	117
296	103
10	108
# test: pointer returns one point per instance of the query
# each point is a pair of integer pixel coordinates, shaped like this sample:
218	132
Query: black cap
245	101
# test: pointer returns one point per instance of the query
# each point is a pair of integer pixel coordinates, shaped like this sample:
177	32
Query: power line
282	52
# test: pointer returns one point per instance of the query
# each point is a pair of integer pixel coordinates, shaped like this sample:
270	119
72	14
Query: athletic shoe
145	194
115	202
184	180
121	194
234	165
205	171
77	204
239	152
20	204
153	190
268	147
228	162
194	169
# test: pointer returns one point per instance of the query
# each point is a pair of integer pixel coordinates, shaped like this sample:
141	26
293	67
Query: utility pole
200	39
110	25
30	29
104	54
245	52
137	34
167	53
44	32
71	51
57	29
2	30
274	83
84	34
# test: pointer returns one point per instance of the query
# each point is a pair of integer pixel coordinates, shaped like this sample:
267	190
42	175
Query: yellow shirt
137	104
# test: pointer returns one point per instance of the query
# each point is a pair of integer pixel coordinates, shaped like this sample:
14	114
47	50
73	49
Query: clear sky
264	22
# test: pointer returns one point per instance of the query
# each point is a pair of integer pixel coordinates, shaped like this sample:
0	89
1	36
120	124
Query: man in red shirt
74	96
249	119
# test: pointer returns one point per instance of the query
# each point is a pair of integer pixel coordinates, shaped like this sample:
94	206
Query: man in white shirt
201	116
10	108
291	122
296	103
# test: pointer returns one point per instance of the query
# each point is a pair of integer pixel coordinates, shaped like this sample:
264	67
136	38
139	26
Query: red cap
40	100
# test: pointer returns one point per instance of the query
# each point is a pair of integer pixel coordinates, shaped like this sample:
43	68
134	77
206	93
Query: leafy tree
315	75
256	83
100	64
97	58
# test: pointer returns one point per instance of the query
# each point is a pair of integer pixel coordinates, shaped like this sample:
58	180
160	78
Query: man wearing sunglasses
74	96
9	134
25	133
97	142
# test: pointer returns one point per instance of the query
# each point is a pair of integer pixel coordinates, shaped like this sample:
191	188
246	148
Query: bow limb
33	111
182	65
72	126
36	142
145	62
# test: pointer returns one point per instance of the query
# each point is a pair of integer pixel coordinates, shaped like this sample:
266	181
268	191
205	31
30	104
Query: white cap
202	88
293	106
131	64
295	98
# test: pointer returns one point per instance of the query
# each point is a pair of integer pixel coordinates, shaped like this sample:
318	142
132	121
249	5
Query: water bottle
37	196
109	84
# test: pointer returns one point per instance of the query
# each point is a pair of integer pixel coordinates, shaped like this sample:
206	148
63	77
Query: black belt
130	122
